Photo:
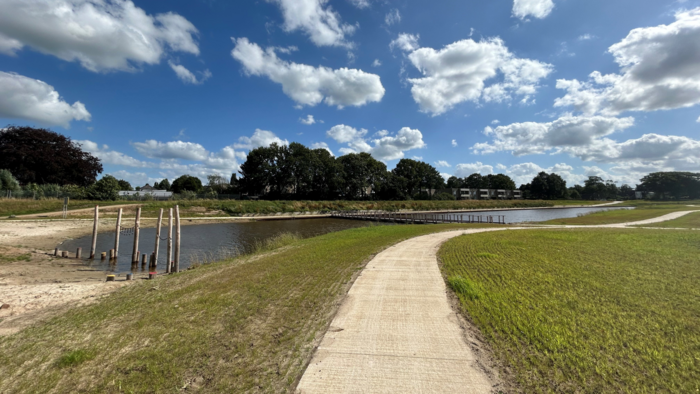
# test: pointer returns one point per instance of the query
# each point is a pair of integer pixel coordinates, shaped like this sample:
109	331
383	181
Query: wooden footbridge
419	218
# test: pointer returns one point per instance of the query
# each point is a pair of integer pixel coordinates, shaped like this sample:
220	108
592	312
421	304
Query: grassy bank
194	208
643	210
585	311
691	220
244	325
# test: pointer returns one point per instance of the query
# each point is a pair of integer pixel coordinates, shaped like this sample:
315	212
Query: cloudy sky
162	88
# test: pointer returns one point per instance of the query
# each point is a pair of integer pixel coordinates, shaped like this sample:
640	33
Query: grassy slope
585	311
691	220
643	210
235	208
245	325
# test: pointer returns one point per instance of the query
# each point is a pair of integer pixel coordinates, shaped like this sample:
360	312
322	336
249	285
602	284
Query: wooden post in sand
170	241
94	232
135	255
116	234
177	239
160	221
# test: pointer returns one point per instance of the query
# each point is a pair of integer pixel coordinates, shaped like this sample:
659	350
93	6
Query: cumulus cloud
317	20
258	139
101	35
535	8
462	170
392	17
187	76
386	147
322	145
360	3
586	37
309	120
442	163
405	42
171	150
459	71
454	143
376	63
31	99
308	85
660	70
577	135
108	156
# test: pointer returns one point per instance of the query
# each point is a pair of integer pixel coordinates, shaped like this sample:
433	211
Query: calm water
198	240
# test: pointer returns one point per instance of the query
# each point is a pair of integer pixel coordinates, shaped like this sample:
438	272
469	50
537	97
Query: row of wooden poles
420	218
173	243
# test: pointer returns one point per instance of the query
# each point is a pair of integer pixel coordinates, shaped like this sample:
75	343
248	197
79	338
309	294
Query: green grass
10	206
195	208
578	202
584	311
5	256
691	220
244	325
74	358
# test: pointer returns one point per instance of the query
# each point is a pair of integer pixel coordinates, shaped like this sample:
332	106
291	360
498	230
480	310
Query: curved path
396	332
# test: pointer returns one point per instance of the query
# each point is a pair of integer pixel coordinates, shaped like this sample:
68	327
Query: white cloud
187	76
392	17
536	8
660	70
418	158
134	178
171	150
405	42
578	136
308	85
31	99
454	143
309	120
495	121
360	3
317	20
376	63
108	156
462	170
322	145
458	72
586	37
258	139
442	163
100	35
698	120
385	148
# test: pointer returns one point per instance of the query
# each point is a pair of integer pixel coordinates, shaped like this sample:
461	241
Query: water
202	239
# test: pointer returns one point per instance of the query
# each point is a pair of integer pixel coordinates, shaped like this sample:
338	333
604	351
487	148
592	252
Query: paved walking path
396	332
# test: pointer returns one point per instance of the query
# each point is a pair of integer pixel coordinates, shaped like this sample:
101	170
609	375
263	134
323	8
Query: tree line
45	164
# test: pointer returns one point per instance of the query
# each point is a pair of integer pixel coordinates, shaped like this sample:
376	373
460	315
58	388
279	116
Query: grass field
643	210
244	325
195	208
585	311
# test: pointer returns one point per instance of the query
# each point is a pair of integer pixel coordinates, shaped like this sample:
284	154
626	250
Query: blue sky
158	89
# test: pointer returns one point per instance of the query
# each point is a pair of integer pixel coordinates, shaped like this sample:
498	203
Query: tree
500	181
361	175
106	188
43	156
418	176
7	181
186	182
454	183
164	185
627	192
594	188
548	187
676	185
217	183
233	184
126	186
475	181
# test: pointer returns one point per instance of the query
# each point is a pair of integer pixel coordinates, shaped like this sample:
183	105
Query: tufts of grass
74	358
585	310
465	288
487	255
248	324
11	206
276	242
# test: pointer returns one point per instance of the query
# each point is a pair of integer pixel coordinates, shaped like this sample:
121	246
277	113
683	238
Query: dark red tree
43	156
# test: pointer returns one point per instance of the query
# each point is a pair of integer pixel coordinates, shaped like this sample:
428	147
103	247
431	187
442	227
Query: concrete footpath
396	331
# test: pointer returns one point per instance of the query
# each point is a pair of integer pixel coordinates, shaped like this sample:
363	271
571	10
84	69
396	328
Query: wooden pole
170	240
160	221
116	234
135	255
79	253
94	232
177	238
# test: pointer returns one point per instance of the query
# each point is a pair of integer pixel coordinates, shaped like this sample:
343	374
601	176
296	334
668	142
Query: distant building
148	190
483	194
